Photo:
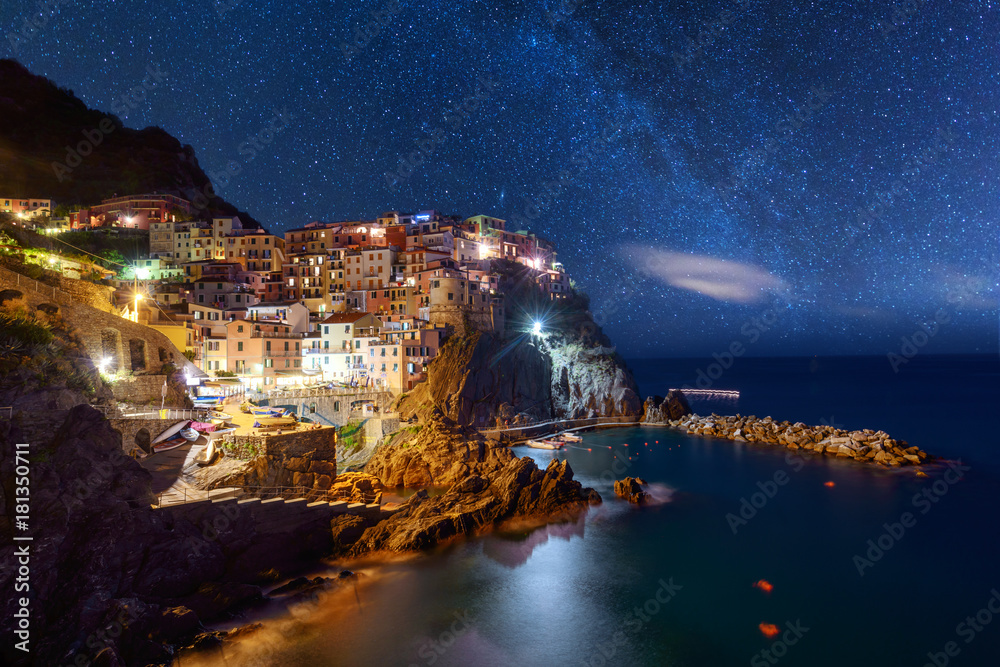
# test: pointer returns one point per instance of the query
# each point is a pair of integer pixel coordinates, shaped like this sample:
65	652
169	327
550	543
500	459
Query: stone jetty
865	445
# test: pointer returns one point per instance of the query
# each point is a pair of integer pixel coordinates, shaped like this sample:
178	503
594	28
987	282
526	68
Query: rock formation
866	445
440	453
630	489
103	558
476	503
658	410
483	380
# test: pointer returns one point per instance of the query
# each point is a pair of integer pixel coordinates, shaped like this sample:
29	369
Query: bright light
103	363
142	274
536	328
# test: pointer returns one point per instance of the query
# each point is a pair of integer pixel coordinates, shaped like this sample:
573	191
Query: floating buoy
768	629
657	442
764	585
829	484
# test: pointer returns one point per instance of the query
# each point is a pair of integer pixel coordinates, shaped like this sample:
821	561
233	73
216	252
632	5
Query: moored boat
544	444
569	437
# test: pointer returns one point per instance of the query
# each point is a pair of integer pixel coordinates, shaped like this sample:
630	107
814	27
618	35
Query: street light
536	328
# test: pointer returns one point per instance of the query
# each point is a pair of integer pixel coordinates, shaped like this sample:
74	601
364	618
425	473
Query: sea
748	555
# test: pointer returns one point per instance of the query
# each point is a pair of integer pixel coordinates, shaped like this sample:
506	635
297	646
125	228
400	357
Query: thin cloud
719	279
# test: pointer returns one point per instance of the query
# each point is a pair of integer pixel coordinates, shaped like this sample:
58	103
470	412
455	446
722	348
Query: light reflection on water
569	593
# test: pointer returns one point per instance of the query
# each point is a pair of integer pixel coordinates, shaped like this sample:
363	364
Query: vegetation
225	374
351	436
37	349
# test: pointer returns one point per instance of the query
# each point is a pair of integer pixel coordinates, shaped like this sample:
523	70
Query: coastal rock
630	489
439	454
563	375
357	487
477	503
863	445
659	410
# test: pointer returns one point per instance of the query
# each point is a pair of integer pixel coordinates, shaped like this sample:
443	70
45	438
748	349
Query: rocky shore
865	445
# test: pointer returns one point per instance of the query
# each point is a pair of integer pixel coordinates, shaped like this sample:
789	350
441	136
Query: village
361	303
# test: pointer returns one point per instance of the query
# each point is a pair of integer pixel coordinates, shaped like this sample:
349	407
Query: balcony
275	334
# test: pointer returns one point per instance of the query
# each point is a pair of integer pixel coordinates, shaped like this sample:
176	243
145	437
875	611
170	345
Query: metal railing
176	414
587	422
312	495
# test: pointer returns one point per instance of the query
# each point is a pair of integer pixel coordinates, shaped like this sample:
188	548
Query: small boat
544	444
170	438
569	437
275	422
189	434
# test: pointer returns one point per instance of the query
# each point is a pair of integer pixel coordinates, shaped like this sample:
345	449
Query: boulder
630	489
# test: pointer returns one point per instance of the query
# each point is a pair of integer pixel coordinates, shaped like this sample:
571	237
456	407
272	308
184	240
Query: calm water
586	593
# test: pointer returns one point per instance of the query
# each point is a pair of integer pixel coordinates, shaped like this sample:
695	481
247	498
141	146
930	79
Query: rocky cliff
477	503
482	380
568	369
109	575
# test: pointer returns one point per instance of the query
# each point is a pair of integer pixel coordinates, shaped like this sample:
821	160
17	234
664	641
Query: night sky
829	168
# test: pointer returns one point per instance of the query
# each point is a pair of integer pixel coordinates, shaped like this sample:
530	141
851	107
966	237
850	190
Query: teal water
586	593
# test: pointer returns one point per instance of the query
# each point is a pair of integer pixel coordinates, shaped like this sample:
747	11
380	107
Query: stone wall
136	432
143	389
127	345
306	459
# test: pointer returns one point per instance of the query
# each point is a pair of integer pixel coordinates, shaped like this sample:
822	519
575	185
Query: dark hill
39	120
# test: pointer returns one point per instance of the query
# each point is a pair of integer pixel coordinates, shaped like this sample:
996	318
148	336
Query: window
287	363
267	345
239	346
326	360
395	367
239	328
347	329
326	330
298	363
269	363
286	346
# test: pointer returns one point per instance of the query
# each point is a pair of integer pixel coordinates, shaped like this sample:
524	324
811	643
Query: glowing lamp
536	328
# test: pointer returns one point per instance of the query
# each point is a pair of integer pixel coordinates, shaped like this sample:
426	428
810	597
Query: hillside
39	120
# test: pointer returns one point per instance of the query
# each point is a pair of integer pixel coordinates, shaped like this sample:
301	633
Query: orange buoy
764	585
768	629
829	484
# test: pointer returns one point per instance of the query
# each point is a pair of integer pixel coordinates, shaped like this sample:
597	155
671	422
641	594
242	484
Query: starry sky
826	169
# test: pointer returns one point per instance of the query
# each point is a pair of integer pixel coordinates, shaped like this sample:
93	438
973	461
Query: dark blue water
587	593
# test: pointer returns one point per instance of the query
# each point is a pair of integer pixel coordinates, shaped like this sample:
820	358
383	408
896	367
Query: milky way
843	152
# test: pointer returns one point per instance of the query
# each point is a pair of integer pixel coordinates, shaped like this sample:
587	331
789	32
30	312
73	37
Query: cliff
567	371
